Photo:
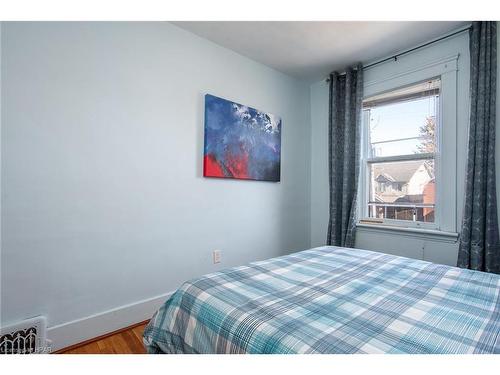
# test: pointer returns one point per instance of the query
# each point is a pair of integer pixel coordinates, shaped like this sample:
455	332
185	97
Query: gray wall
425	247
103	203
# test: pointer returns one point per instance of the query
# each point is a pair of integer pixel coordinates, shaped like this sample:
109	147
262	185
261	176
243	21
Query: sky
400	120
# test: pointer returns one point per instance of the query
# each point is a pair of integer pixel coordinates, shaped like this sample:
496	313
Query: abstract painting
240	142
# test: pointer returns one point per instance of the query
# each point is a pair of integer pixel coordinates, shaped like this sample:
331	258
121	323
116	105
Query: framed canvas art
240	142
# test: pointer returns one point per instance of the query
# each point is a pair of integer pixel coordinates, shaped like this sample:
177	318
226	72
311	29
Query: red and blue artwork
240	142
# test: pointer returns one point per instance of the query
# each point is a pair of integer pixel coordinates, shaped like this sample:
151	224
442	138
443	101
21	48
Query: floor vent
26	337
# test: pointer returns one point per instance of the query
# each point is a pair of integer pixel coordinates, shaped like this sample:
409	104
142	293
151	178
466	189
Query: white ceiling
311	50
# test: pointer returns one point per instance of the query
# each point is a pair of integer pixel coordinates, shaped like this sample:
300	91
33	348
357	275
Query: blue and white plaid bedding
332	300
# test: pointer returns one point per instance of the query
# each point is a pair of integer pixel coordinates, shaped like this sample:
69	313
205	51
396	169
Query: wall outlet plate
216	255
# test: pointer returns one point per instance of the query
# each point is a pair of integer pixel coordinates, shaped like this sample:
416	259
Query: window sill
420	233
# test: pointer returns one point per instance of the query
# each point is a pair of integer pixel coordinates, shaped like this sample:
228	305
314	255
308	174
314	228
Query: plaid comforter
332	300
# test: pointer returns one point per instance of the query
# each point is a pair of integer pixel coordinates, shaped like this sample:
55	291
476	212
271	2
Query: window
400	151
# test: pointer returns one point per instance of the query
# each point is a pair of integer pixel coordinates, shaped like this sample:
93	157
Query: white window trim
445	212
419	233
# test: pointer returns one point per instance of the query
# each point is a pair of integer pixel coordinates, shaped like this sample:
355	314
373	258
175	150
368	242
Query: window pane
402	190
403	124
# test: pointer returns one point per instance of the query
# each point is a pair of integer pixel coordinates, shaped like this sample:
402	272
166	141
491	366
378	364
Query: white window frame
445	156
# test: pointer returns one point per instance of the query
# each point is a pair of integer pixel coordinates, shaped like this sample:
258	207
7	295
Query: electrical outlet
216	256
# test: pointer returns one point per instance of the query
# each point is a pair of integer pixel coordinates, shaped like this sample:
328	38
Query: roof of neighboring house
410	198
390	197
399	171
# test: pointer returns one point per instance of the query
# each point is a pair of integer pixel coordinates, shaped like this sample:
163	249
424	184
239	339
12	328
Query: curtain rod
395	57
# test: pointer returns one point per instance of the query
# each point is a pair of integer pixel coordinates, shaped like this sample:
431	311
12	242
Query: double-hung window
400	148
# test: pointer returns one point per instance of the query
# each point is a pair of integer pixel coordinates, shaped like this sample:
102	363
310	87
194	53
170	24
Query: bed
332	300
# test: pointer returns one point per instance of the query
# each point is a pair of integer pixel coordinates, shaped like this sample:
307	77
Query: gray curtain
479	240
346	94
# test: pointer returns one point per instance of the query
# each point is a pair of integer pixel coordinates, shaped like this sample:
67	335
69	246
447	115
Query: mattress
332	300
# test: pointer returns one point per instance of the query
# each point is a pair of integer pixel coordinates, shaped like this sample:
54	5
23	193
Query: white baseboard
76	331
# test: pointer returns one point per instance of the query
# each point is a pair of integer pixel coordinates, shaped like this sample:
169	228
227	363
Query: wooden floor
128	341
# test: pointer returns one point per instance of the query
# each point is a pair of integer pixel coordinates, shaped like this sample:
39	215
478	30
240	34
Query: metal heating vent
26	337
